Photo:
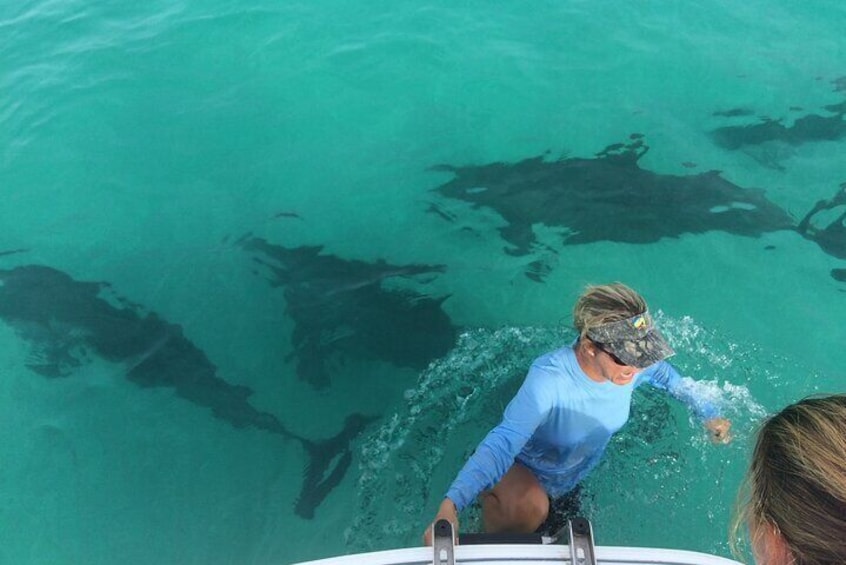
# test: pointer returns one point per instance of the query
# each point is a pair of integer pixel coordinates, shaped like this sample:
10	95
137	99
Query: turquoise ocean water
193	156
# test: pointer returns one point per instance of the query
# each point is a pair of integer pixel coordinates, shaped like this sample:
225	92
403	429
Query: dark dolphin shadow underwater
825	223
831	237
343	308
608	198
756	135
808	128
66	321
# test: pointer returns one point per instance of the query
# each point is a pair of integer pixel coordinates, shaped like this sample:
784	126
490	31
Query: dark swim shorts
561	510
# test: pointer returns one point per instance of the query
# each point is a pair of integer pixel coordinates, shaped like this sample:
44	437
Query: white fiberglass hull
523	554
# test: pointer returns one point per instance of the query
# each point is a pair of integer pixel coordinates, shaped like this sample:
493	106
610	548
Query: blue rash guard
560	422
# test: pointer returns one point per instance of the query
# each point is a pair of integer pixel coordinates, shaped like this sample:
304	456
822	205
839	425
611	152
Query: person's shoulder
555	358
554	362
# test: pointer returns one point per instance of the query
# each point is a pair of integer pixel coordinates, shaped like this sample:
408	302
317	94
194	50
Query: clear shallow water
139	144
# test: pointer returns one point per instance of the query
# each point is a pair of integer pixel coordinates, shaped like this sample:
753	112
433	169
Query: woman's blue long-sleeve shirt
559	423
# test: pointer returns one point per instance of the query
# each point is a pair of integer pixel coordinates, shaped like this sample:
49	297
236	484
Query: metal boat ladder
582	549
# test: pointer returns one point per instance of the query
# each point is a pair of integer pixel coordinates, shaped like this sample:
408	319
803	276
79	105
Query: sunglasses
613	357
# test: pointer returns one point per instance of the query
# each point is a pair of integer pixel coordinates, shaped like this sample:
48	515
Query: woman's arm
495	455
694	394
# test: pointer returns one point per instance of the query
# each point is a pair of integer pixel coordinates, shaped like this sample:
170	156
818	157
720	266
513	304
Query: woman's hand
720	430
448	512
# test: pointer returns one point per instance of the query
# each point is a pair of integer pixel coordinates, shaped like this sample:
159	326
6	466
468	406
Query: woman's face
768	546
613	369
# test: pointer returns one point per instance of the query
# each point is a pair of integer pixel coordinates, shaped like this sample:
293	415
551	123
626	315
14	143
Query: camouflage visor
635	341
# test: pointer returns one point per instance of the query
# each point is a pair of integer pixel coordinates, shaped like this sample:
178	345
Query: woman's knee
523	496
538	504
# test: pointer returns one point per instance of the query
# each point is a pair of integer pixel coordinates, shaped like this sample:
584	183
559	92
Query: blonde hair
796	483
601	304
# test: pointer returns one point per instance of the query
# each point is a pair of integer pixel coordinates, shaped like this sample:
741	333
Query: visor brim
643	352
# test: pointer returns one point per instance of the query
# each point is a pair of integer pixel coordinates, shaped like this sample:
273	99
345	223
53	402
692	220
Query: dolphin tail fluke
327	465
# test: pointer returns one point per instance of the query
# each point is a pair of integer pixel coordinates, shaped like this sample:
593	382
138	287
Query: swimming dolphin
67	321
608	197
342	307
830	238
